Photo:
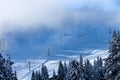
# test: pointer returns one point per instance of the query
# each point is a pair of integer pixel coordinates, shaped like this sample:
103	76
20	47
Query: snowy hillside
52	63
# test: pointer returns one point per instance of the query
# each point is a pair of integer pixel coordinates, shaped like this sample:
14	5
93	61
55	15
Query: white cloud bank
25	14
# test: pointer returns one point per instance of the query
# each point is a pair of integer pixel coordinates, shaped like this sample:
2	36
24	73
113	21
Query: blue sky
30	27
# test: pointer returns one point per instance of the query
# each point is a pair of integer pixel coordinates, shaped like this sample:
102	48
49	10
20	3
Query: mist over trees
6	72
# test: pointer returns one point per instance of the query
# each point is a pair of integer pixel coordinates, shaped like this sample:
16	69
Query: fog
26	14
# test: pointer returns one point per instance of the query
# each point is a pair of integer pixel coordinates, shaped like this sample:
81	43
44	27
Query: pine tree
96	75
2	68
33	76
15	77
39	76
65	68
100	67
81	68
113	60
44	73
73	71
6	72
88	70
8	67
54	74
54	77
61	73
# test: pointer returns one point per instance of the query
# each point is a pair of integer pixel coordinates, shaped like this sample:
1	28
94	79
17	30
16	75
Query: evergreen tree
44	73
73	71
54	77
54	74
65	68
100	67
2	68
6	72
8	68
61	73
39	76
81	68
33	76
15	77
96	75
88	70
113	60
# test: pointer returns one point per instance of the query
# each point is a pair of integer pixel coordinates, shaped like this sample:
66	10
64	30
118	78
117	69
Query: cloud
29	13
25	14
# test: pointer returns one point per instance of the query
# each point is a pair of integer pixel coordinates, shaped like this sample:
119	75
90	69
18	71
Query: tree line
75	70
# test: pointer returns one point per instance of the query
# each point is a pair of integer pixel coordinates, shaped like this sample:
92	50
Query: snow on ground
23	72
22	69
96	53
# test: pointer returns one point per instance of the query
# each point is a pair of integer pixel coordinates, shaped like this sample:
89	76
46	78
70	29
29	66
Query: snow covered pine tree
33	76
113	60
73	71
88	70
61	73
65	68
6	72
81	68
44	73
98	69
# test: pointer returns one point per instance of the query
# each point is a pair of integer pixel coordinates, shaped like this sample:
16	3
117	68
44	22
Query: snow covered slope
52	63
